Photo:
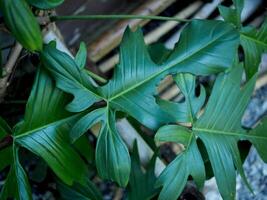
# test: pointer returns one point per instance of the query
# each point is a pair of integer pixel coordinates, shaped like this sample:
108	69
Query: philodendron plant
65	103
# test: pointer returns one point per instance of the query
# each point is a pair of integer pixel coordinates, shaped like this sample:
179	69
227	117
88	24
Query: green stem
96	77
107	17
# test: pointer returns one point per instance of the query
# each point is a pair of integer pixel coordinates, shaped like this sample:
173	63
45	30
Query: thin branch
112	17
14	55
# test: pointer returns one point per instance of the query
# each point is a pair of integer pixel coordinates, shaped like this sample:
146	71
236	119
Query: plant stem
108	17
14	55
96	77
6	141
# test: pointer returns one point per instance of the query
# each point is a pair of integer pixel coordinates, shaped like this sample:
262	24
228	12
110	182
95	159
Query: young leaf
141	184
233	15
44	130
45	4
189	162
81	56
77	191
253	41
187	110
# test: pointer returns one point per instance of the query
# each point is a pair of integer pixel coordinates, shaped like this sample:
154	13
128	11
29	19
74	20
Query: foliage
65	103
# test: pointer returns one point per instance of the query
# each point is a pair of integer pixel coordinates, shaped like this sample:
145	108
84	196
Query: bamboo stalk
154	35
111	39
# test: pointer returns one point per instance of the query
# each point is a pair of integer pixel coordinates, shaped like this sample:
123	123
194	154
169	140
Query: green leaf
220	128
158	52
173	133
16	185
45	130
189	162
187	110
133	85
258	137
254	43
22	23
45	4
134	82
141	184
112	156
86	122
81	56
70	78
233	15
77	191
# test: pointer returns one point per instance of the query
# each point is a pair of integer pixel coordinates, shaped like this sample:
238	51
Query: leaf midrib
227	133
166	69
254	40
16	137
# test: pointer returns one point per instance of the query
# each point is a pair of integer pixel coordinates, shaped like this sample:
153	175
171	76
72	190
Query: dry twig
4	82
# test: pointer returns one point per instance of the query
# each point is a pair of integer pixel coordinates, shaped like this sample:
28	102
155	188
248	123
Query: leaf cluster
65	103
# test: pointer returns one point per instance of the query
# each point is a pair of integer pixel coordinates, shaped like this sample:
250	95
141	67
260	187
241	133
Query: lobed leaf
189	162
141	184
70	78
134	82
44	130
219	128
185	111
112	156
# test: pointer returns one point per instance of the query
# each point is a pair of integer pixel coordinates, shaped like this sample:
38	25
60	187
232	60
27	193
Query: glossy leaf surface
220	129
188	162
185	111
22	23
141	184
134	82
44	130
